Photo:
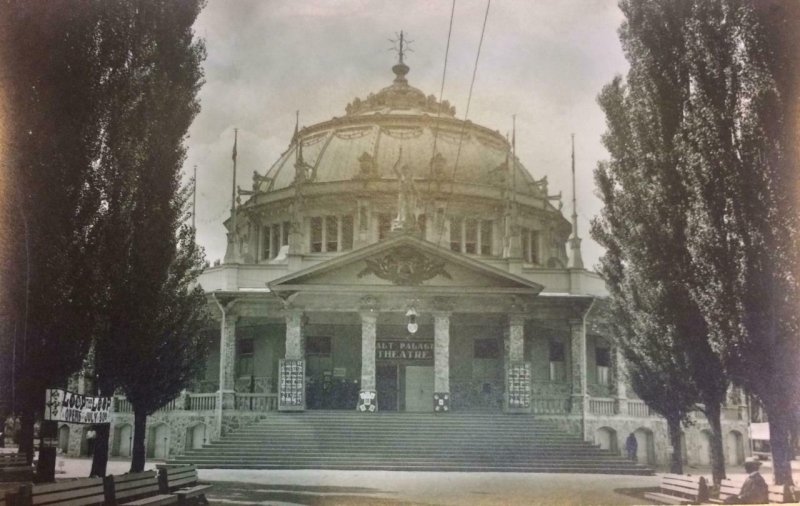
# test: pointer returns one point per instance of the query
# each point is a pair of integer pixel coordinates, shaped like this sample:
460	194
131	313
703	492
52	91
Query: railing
171	405
256	402
601	406
550	406
202	402
123	405
638	408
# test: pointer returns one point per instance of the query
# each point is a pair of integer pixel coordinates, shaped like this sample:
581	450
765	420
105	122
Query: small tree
656	367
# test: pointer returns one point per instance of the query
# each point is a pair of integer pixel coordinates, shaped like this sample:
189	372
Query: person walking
631	446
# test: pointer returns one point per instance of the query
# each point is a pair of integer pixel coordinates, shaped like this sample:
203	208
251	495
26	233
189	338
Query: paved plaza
318	487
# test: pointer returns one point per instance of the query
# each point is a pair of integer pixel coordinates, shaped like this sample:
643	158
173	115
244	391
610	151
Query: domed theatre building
400	260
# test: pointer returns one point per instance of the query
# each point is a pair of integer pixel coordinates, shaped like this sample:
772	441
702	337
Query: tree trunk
100	456
138	451
676	463
779	441
25	437
712	412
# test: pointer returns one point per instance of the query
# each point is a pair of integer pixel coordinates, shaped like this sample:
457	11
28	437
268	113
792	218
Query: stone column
578	352
516	339
227	359
441	362
517	396
294	335
226	396
368	397
621	399
291	373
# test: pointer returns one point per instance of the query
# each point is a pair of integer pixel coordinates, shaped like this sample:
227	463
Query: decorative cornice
404	266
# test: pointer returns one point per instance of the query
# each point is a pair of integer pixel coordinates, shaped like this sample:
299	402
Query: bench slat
665	499
158	499
193	491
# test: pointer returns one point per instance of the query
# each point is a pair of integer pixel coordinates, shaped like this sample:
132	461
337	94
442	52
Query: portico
348	328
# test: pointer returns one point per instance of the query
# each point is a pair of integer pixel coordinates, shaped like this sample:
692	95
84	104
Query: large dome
367	141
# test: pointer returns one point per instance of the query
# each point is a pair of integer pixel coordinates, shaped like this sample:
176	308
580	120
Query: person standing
631	447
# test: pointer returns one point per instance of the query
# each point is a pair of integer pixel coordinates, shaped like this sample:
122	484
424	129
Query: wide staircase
407	442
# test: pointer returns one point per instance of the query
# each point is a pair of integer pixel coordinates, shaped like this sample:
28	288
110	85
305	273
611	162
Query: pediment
403	263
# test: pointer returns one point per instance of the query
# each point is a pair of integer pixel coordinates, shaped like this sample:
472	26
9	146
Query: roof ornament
575	243
400	45
406	199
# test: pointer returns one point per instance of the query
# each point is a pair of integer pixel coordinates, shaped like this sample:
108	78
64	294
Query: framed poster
291	385
518	388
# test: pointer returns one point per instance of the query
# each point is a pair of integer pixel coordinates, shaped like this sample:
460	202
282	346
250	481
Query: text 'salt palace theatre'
398	277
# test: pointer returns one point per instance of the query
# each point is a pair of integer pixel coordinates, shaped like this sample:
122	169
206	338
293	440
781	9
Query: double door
404	387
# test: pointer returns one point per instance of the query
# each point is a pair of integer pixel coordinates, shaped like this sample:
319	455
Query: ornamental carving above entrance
404	266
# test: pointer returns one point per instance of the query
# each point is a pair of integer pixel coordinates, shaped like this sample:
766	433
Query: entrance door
387	385
419	388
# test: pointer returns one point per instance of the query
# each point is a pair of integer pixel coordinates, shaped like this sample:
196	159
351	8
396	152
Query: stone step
407	442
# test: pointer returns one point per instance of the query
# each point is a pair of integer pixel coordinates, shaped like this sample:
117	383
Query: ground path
311	487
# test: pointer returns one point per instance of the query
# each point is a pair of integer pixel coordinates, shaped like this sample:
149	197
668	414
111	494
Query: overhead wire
464	123
441	93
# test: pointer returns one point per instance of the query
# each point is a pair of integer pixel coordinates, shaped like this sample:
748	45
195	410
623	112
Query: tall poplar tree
151	341
643	224
740	162
51	200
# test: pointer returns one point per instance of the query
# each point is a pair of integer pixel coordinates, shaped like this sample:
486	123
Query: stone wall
695	453
178	423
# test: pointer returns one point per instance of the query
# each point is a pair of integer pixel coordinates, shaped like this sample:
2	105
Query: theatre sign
63	406
404	350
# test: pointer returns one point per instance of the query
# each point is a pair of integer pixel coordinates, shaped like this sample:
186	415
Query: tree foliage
50	202
643	226
743	220
102	94
151	342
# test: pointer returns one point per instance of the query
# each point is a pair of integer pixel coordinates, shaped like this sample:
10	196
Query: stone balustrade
602	406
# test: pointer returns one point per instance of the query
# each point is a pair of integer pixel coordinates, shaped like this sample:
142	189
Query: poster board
291	385
518	388
63	406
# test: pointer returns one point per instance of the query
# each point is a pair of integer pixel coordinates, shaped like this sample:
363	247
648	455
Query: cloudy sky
543	60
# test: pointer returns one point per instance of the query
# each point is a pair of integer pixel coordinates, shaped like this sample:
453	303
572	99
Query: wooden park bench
680	489
80	492
729	487
15	467
136	488
181	480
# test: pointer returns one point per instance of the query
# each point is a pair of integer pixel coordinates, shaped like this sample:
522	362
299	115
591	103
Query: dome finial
401	46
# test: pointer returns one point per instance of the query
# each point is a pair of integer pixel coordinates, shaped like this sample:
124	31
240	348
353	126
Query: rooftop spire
401	46
575	242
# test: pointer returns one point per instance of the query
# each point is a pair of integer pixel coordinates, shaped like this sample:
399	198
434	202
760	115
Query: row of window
471	236
530	245
273	237
331	233
335	233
